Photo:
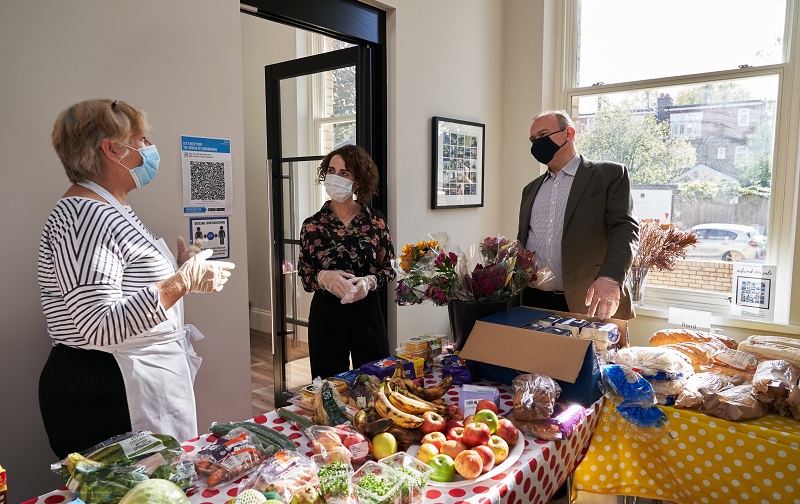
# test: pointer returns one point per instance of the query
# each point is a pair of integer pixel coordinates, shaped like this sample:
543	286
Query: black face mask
544	148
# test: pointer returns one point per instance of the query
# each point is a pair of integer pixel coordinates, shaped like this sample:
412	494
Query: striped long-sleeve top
97	274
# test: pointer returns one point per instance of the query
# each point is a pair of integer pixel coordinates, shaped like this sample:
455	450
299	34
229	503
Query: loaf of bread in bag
773	348
669	336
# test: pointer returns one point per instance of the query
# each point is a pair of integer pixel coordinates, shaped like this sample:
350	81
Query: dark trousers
549	300
82	399
337	332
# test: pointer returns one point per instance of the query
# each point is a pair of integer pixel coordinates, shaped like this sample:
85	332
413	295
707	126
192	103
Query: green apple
444	468
488	417
383	445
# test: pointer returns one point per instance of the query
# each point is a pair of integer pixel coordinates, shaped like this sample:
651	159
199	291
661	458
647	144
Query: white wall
181	62
263	43
446	59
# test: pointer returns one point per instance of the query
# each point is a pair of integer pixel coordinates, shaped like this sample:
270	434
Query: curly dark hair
361	164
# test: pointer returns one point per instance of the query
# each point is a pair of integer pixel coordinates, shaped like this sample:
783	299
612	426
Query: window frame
784	201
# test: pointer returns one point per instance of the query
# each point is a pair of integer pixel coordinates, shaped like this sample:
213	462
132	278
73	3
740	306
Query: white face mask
338	188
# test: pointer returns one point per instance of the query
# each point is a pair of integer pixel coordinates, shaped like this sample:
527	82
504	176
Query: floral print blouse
364	247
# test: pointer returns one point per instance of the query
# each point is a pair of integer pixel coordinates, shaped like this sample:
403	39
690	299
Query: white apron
159	365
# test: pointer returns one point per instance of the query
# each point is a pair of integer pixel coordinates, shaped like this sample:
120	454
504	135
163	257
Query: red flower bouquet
494	270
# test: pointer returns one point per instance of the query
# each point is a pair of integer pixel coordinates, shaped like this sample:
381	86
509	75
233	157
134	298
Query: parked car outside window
728	242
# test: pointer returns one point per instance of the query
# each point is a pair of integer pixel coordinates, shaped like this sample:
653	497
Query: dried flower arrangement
660	246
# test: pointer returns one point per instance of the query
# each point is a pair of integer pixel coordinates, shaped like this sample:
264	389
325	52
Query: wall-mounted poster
207	176
457	171
753	291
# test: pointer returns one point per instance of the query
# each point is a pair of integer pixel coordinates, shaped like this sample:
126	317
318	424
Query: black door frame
364	26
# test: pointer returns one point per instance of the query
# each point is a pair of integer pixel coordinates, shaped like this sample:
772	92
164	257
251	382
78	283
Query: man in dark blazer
579	219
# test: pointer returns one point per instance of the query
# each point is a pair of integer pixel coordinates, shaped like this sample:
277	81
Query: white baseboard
260	320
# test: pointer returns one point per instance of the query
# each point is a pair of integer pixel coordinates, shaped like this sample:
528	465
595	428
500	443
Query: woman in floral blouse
345	258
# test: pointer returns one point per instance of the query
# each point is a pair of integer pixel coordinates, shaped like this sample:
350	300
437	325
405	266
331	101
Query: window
744	117
670	112
740	155
334	99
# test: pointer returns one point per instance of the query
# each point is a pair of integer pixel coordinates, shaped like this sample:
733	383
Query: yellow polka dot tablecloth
695	458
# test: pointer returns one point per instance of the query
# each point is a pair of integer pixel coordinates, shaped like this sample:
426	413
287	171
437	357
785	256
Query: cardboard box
504	349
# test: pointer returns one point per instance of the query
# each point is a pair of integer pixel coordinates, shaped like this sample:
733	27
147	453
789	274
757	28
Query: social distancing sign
214	233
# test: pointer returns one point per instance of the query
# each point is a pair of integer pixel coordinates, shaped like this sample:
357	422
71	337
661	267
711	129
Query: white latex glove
602	298
363	285
201	275
184	253
336	282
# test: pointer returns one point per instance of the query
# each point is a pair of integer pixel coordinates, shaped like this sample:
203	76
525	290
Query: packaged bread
774	379
700	385
735	403
701	354
736	359
669	336
660	362
772	348
534	397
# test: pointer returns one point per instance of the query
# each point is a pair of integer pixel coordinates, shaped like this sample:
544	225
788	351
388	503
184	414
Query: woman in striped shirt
112	291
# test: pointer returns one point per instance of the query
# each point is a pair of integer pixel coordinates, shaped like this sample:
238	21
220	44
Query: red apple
428	451
452	448
508	431
433	422
487	404
487	455
476	434
455	433
453	423
455	412
469	419
469	464
500	448
434	438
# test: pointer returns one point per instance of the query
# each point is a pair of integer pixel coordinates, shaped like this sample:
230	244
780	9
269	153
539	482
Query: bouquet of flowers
494	270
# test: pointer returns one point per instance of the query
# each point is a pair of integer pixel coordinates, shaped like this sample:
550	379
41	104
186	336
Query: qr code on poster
208	180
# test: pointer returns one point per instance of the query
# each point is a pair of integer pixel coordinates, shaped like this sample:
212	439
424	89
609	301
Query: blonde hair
80	129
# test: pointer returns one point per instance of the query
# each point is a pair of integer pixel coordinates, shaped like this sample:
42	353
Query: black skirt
339	331
82	399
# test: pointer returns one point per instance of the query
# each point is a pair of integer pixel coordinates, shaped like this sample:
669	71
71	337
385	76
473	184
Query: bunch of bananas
401	400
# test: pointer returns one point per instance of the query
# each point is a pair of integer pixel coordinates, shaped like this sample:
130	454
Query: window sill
730	321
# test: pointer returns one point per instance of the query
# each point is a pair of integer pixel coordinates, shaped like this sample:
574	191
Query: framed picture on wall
457	164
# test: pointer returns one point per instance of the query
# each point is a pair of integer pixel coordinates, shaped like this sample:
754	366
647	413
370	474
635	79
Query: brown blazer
601	232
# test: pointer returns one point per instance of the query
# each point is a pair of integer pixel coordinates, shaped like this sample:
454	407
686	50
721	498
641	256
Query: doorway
358	57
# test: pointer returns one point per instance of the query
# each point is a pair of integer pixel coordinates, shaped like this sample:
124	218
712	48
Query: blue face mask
144	174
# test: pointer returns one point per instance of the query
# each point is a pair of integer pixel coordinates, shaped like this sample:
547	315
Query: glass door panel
303	97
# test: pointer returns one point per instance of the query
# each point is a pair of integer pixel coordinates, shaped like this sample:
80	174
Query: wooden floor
261	370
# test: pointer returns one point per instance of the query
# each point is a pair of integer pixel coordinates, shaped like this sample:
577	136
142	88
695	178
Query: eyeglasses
547	135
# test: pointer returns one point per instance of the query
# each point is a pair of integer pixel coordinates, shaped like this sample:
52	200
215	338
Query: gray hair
564	120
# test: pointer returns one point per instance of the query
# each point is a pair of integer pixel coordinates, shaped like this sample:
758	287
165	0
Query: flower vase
463	315
636	282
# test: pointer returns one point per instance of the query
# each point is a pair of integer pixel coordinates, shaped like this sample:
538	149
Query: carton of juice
3	486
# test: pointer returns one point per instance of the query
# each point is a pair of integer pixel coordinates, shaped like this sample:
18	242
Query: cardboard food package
504	348
3	499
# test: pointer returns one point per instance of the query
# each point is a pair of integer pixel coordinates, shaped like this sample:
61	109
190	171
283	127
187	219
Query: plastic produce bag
657	362
230	457
106	471
291	475
630	386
